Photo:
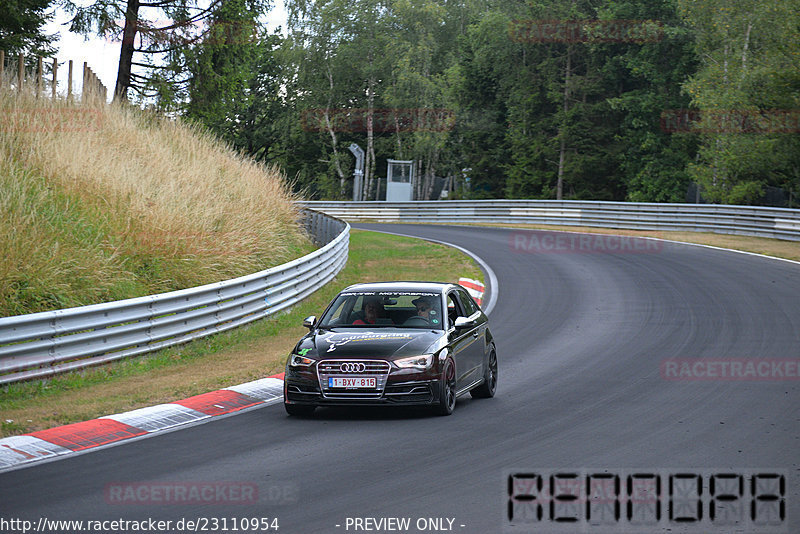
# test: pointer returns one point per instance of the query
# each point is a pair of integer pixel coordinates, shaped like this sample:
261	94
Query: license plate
351	382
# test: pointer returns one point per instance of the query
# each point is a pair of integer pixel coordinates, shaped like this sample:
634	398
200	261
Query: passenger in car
374	312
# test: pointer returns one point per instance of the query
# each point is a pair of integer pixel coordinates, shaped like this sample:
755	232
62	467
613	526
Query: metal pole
358	172
2	65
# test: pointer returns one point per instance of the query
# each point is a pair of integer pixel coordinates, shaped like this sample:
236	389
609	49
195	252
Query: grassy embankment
104	203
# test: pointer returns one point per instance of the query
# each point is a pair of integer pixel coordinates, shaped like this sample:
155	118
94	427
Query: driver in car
423	306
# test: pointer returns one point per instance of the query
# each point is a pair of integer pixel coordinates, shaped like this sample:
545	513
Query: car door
465	343
478	349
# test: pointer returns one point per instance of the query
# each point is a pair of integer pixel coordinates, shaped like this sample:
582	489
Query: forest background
639	100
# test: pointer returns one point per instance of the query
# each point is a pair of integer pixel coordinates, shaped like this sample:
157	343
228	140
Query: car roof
437	287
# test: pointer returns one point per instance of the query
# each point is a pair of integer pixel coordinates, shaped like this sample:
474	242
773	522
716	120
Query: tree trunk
417	189
370	165
397	136
744	53
334	142
430	174
563	132
126	51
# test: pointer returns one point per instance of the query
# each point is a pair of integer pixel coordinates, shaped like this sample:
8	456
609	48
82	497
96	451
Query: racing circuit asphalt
582	336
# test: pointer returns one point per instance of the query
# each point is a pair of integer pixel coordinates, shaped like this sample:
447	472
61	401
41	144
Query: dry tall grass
107	202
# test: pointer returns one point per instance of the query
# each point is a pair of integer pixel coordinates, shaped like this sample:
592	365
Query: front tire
489	386
447	389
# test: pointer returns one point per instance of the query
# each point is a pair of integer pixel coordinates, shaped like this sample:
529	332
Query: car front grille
353	368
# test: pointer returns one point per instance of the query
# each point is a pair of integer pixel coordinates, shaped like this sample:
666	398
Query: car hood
389	343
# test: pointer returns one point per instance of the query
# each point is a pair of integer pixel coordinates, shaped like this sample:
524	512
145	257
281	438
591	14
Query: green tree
328	77
573	117
223	70
750	69
418	88
561	128
21	27
648	77
154	38
484	71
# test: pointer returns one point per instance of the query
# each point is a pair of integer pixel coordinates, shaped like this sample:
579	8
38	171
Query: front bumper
398	389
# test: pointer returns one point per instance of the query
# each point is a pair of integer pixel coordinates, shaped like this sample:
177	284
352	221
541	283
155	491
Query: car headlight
295	360
416	362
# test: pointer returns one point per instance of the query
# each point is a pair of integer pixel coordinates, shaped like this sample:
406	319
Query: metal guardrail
44	344
779	223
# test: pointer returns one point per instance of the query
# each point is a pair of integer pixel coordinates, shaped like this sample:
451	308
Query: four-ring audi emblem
352	367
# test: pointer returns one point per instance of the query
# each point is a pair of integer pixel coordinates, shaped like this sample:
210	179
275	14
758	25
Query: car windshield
383	309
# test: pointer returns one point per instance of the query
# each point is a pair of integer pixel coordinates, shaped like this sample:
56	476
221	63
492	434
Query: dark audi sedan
393	343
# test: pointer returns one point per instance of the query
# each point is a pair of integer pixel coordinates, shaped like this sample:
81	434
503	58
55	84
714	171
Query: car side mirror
464	322
310	322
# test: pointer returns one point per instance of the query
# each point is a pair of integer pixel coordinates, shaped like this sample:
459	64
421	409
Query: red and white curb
474	288
16	451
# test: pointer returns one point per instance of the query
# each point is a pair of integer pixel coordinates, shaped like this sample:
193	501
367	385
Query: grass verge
242	355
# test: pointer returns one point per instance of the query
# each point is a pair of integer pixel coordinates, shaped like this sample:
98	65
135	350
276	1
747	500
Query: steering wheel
416	321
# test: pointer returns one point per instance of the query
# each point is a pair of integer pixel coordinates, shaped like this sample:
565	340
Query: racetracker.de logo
731	369
389	120
585	31
733	121
180	493
543	242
